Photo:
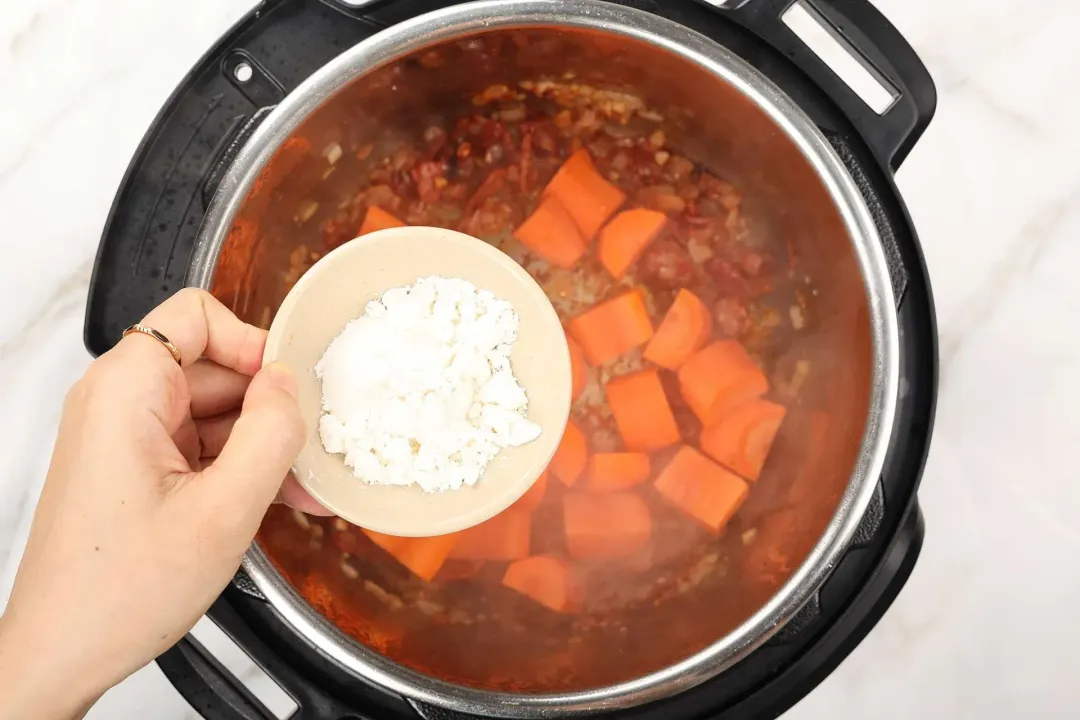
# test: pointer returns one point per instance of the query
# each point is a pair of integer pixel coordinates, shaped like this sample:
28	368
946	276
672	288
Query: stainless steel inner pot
719	111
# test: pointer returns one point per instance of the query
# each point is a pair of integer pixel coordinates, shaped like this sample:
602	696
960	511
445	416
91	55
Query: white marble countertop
984	627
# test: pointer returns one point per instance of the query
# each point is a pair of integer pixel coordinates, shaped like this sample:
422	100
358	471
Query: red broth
655	565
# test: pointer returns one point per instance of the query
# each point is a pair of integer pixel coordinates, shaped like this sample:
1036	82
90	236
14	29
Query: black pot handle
207	685
217	694
147	241
850	628
890	135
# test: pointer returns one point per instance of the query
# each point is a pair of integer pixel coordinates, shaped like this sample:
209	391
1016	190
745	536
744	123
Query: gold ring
157	336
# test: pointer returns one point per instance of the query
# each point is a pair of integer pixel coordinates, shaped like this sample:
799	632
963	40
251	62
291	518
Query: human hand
157	485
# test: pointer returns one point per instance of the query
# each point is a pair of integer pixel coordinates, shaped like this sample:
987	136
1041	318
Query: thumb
263	444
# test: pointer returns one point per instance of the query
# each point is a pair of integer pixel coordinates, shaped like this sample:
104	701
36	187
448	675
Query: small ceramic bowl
336	290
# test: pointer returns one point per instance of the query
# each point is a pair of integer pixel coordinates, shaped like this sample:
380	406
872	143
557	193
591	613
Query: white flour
420	389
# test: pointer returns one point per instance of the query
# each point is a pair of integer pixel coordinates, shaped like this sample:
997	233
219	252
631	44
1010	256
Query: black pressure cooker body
144	257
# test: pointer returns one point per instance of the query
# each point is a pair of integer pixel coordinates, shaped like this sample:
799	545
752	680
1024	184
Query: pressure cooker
244	161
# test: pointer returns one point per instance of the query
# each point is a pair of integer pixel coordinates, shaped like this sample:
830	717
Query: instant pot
741	87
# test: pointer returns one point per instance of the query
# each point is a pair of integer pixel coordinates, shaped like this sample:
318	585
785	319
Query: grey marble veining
983	629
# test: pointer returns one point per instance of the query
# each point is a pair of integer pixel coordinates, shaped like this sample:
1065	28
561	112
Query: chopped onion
797	319
301	519
349	571
332	152
306	210
512	114
699	251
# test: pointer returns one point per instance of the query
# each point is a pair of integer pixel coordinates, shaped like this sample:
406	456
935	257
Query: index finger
200	326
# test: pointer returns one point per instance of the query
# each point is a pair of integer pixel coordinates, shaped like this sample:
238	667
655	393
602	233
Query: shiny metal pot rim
467	19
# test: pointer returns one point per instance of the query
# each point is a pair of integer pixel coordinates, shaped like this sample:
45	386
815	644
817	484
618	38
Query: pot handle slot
146	244
872	45
209	685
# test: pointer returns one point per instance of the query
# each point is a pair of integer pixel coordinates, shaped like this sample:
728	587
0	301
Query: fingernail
282	377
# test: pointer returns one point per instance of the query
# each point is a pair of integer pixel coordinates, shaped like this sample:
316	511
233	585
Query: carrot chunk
547	580
459	570
624	239
617	471
606	526
550	232
701	488
719	377
579	369
642	412
378	219
586	195
534	496
612	328
571	456
422	556
685	329
503	537
741	439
